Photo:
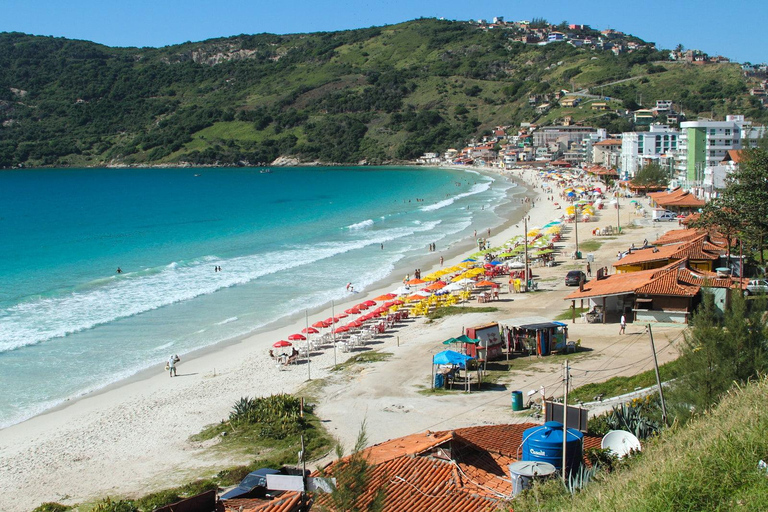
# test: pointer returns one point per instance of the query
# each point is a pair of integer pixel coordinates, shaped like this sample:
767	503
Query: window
727	131
727	142
712	152
712	131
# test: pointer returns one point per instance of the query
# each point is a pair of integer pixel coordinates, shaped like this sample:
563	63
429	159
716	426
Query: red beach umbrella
321	324
297	337
398	302
331	320
389	304
340	316
310	330
370	302
341	329
386	296
352	311
362	307
281	344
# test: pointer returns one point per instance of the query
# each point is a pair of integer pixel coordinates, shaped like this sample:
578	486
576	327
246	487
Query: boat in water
266	171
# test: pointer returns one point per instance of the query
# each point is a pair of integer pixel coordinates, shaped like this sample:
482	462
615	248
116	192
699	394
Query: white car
756	286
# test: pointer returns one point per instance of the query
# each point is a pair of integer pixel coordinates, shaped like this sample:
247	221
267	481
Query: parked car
574	277
663	215
756	286
254	485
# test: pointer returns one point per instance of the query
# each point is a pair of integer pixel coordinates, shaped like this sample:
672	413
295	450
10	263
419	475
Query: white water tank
523	473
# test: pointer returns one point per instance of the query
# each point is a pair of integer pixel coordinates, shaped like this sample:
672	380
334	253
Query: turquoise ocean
286	241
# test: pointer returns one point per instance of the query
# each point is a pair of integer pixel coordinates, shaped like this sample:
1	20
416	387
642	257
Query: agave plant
579	479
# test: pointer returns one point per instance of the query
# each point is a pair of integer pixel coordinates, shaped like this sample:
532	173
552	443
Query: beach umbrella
352	311
415	281
398	302
340	316
297	337
450	357
436	286
466	339
450	341
484	283
468	260
282	343
403	290
386	296
361	307
310	330
453	287
356	323
341	329
417	296
331	320
465	282
370	303
321	324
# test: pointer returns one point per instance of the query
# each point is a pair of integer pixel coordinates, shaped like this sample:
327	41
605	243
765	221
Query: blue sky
733	28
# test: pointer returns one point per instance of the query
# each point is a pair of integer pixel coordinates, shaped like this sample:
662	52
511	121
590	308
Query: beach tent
449	357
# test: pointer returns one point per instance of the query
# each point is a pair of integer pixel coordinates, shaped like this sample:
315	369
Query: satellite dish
620	442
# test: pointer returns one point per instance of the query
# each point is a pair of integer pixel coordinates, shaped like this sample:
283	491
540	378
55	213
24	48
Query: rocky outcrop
285	161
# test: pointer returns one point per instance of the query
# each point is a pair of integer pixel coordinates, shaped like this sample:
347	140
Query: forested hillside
377	94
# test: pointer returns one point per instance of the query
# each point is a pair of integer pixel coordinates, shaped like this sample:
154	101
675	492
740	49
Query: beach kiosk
535	335
489	344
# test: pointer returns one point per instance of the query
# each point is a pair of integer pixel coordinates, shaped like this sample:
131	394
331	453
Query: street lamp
576	226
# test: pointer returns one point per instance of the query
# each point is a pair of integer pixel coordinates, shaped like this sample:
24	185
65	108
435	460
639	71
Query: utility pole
565	417
618	215
658	379
525	227
333	332
306	322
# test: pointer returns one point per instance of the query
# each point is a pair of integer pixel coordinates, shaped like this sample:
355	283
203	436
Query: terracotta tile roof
668	283
651	254
677	197
697	250
469	473
690	218
289	501
608	142
733	155
676	236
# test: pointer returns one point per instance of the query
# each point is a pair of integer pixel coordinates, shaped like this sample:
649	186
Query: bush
51	507
107	505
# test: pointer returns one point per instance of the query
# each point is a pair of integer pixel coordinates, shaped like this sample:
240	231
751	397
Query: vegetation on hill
378	94
710	464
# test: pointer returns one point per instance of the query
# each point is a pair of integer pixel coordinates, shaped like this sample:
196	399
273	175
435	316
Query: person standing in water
119	270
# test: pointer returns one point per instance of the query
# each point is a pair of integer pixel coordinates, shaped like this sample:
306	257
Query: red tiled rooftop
608	142
461	470
648	255
668	283
289	501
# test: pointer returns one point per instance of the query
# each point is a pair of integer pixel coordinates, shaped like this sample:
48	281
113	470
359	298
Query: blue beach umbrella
450	357
468	260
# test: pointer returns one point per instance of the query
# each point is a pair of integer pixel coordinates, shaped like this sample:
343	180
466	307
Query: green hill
379	94
709	464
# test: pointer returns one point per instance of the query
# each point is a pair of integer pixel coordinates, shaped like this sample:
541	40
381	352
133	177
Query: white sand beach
133	438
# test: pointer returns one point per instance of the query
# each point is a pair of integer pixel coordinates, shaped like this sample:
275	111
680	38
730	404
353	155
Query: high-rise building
704	143
640	148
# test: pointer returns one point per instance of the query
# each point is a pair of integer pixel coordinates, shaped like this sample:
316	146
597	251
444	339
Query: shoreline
150	417
428	262
133	439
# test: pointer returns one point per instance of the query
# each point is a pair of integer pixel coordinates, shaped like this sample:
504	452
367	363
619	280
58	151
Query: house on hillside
570	101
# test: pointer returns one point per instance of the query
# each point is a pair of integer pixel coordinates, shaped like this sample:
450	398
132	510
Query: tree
721	217
652	175
747	192
720	350
353	477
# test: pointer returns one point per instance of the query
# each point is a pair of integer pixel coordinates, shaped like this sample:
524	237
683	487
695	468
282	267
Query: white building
705	143
640	148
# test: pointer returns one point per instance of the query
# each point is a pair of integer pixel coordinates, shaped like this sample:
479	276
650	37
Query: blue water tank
545	444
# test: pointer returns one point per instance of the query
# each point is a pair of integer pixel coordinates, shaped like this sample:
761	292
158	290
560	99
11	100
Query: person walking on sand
171	365
589	270
622	329
441	261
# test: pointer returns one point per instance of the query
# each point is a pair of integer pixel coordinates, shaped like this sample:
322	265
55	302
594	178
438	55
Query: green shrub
51	507
107	505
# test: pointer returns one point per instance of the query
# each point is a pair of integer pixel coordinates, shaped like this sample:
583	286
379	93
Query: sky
734	29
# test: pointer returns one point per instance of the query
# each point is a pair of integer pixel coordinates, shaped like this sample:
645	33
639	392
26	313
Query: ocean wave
228	320
41	319
360	225
476	189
